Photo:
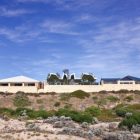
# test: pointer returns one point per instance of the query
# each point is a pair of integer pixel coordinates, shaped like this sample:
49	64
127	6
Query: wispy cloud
112	48
6	12
61	27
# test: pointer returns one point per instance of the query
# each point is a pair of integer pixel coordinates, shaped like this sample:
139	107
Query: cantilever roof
18	79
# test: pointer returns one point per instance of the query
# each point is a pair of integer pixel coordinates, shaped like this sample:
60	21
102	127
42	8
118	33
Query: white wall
71	88
89	88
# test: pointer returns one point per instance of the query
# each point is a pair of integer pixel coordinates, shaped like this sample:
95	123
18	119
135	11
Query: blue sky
42	36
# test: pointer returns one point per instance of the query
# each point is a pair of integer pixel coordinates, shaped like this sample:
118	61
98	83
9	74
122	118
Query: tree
88	78
66	76
53	78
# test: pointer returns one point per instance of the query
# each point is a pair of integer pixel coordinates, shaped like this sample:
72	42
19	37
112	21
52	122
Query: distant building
19	83
125	80
70	79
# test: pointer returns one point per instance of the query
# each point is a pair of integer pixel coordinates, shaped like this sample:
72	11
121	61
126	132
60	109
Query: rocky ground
63	128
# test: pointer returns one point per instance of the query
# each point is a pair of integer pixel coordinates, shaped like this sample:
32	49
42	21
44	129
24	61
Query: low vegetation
129	121
129	98
80	94
21	100
77	94
113	98
94	111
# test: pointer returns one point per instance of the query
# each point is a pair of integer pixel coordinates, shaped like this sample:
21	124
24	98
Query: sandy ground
17	131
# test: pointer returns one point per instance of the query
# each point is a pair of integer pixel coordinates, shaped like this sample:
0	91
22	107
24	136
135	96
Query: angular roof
126	78
110	79
18	79
130	78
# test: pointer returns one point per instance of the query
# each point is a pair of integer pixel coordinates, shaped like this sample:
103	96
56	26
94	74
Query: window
29	84
16	84
4	84
126	83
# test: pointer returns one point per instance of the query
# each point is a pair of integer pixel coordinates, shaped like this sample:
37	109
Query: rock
77	132
128	114
54	119
51	120
97	132
112	126
119	136
136	128
95	120
58	124
84	125
90	134
32	127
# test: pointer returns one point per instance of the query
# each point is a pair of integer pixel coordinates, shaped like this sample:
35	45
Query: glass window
4	84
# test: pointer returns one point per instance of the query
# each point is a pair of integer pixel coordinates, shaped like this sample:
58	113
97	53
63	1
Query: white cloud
13	12
61	27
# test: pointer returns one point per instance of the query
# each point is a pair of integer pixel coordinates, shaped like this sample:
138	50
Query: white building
19	83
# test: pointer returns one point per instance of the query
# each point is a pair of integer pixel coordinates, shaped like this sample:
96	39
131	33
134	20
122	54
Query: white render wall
14	89
70	88
90	88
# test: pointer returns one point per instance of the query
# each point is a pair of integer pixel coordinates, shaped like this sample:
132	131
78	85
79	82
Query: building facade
19	83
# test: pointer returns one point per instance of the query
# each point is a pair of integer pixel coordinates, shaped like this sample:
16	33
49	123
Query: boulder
32	127
119	136
136	128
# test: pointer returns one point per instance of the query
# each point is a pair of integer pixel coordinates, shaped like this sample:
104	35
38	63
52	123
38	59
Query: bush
130	121
122	111
107	116
103	92
6	111
57	104
21	100
128	98
34	114
76	116
94	97
94	111
102	102
123	91
64	96
113	98
80	94
39	101
135	107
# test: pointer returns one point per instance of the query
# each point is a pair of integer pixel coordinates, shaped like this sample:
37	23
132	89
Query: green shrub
123	91
75	115
107	116
6	111
113	98
64	96
33	114
103	92
122	111
57	104
128	98
21	100
94	97
134	107
94	111
80	94
130	121
39	101
102	102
